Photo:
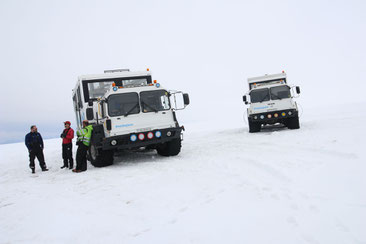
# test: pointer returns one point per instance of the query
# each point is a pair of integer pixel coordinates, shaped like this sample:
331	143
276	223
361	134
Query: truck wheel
254	127
293	123
170	148
100	158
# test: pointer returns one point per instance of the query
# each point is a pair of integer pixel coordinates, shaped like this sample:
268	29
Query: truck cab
271	101
128	110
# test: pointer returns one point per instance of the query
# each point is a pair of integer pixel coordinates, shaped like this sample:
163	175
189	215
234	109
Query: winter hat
67	122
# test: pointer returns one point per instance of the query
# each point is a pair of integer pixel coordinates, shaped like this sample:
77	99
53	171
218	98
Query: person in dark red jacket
67	136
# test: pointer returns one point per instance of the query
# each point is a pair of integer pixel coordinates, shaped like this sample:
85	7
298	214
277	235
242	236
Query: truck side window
98	89
80	103
76	107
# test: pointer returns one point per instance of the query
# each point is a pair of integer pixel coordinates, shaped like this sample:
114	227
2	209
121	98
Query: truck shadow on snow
272	128
130	158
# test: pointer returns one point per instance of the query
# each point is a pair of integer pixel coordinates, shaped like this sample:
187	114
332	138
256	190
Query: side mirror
298	90
89	114
186	99
245	99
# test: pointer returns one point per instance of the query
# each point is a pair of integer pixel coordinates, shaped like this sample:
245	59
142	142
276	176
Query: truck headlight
262	116
133	137
158	134
269	116
276	115
150	135
289	113
256	117
113	142
141	136
169	133
283	114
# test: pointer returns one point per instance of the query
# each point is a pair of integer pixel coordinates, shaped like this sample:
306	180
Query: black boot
65	166
44	169
33	171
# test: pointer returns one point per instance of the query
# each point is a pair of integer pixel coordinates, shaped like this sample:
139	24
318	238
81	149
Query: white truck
271	101
128	110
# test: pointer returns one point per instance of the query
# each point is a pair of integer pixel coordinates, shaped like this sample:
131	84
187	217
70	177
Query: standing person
83	142
34	143
67	136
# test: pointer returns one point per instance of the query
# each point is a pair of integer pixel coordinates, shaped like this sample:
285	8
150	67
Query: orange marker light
113	84
155	81
148	69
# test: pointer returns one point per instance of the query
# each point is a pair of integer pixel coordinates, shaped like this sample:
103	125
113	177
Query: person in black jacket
34	143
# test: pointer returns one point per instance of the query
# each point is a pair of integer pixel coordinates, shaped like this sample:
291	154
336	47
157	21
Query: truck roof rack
116	70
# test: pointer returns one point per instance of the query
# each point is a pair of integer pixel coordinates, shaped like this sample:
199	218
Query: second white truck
271	101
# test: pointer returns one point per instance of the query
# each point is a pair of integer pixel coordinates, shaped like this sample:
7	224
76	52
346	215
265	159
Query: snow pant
39	154
81	157
67	155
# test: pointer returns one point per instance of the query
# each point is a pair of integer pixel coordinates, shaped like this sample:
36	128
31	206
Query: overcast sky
205	48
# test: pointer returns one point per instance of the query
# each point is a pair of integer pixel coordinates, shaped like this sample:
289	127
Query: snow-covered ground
226	186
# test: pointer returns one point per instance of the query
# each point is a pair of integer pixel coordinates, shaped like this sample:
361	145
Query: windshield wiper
147	105
272	94
264	98
130	111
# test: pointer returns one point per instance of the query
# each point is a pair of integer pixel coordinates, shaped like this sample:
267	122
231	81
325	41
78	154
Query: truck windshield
280	92
123	104
259	95
154	101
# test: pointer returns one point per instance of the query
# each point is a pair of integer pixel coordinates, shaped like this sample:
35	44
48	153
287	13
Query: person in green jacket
83	142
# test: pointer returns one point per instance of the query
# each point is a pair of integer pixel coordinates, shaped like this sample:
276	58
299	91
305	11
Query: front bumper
270	117
125	142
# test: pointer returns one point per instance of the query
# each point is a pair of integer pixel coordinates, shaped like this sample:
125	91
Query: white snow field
226	186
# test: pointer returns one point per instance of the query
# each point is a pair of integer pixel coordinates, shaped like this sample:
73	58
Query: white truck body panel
271	106
267	78
140	122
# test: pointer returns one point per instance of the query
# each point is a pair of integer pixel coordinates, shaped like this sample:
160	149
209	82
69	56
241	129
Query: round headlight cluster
113	142
141	136
150	135
133	137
